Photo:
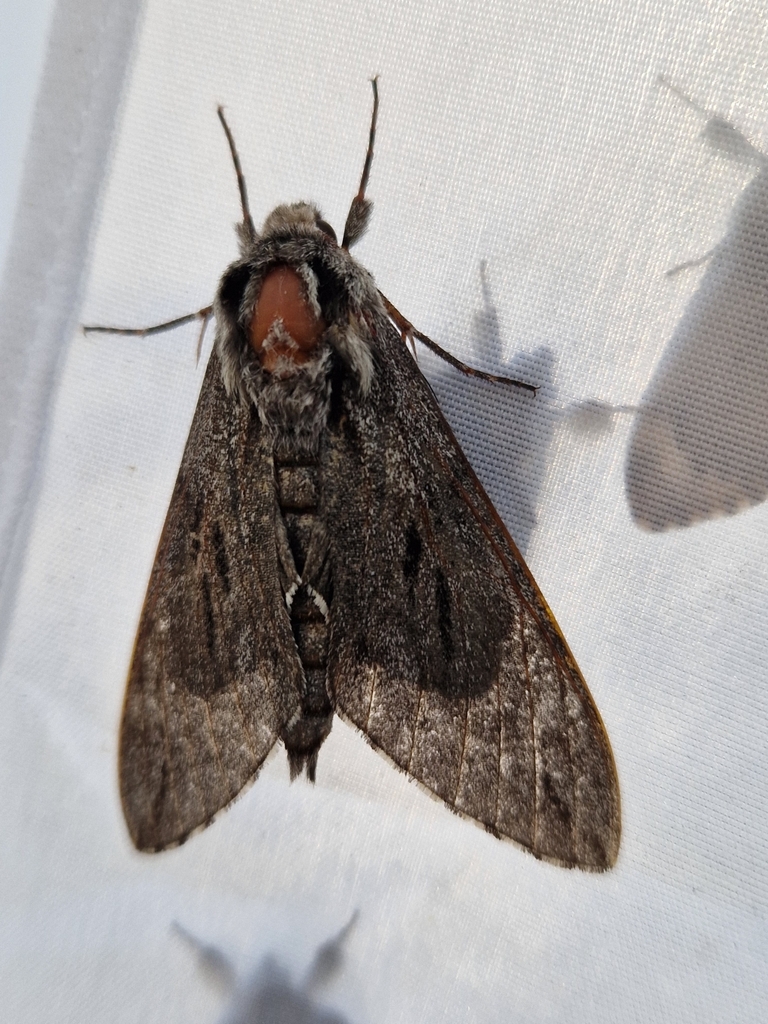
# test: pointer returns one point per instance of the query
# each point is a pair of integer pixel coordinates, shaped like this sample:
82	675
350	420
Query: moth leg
407	330
200	337
203	314
405	327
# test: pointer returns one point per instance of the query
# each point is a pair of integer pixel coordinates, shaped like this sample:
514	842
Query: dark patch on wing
554	797
210	625
220	557
443	604
412	552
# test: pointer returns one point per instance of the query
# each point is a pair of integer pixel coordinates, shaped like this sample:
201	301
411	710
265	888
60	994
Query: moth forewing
328	549
215	675
448	658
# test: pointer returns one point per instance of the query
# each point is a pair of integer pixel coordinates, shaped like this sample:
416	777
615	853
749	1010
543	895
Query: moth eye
326	228
284	324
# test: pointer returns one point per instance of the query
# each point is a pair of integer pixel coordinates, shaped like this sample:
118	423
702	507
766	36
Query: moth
328	550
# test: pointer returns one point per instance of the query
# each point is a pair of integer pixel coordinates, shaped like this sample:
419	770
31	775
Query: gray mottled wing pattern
443	651
215	674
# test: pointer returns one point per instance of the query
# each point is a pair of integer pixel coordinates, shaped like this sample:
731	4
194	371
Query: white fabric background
23	35
537	138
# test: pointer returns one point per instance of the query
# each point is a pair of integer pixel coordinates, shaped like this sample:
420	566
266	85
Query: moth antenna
203	314
248	227
371	139
360	210
409	332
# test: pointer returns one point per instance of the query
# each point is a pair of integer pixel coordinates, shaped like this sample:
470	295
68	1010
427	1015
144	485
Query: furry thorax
294	401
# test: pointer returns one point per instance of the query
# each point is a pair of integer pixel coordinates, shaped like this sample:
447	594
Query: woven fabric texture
548	207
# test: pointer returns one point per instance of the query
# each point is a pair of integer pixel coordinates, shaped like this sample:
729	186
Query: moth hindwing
329	550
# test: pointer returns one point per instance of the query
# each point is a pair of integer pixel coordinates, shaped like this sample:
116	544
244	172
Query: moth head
292	297
297	219
282	317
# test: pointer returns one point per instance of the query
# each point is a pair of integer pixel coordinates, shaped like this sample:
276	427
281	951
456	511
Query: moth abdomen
307	575
299	527
297	487
312	641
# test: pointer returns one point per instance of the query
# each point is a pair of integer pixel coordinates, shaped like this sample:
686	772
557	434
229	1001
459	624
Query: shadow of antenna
268	995
212	961
328	958
699	447
515	428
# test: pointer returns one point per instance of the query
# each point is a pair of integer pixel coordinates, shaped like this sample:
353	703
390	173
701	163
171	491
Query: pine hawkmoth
329	550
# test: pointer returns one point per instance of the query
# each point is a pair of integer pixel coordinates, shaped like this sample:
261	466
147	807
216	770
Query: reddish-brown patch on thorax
283	297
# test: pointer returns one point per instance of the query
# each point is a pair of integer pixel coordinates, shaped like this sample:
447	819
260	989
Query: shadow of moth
329	550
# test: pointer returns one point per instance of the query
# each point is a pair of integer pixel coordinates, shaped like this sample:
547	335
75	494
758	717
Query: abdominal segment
303	554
